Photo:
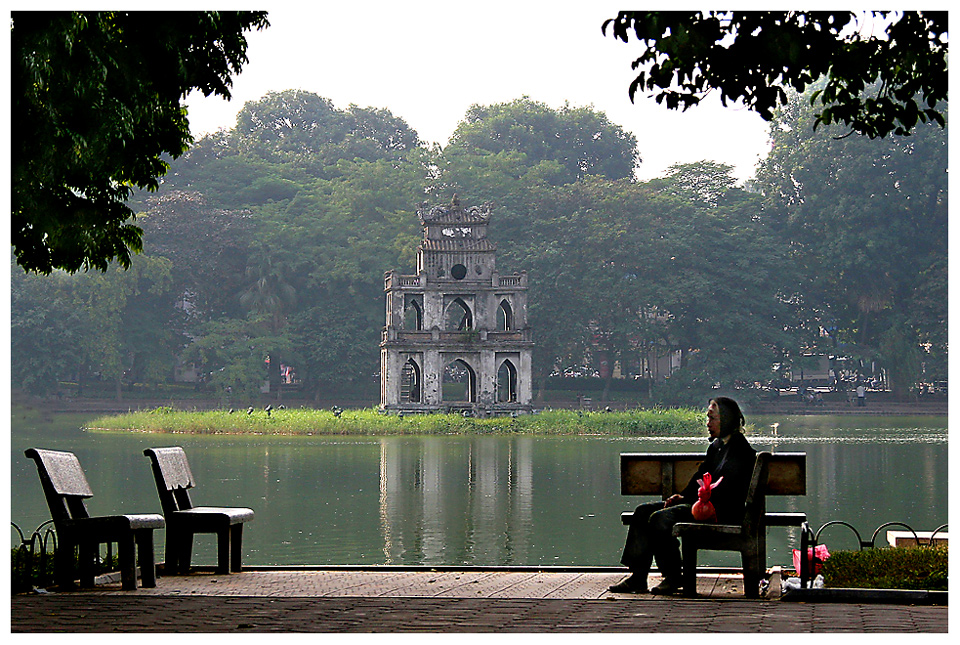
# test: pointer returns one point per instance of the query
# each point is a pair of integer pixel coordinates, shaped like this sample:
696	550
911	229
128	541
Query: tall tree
97	102
46	330
867	221
295	125
208	249
754	56
582	140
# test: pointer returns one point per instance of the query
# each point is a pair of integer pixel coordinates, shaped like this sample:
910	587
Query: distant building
456	335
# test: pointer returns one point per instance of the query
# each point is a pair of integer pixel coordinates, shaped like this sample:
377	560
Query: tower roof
454	214
481	245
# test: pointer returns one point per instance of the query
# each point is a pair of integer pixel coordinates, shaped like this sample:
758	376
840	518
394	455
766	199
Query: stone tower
457	317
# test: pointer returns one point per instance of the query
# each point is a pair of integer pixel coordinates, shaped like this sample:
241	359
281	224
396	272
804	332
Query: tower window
458	271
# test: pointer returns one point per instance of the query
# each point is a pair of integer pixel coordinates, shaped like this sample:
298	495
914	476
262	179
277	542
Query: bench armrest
785	519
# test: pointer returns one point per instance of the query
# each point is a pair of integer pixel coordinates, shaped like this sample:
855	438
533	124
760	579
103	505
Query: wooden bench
65	487
171	471
664	474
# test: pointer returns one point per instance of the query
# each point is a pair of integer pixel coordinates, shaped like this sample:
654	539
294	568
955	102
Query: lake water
483	501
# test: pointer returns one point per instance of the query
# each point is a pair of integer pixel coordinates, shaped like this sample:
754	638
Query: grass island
370	421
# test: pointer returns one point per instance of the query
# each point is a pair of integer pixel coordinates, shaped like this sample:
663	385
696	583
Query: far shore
787	406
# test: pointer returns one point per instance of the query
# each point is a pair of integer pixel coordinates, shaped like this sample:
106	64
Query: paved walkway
337	601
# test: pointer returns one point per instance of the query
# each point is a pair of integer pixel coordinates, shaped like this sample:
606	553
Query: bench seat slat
707	528
770	519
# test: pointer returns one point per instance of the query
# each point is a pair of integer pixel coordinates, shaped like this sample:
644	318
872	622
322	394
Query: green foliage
867	224
115	323
45	331
97	102
27	568
295	125
232	355
582	141
755	56
655	422
888	568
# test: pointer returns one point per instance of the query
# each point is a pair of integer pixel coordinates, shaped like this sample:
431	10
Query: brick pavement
447	601
142	613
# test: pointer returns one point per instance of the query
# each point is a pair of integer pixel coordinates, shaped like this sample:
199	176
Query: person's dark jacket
734	462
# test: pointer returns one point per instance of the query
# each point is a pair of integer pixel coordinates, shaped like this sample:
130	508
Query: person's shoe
636	583
667	587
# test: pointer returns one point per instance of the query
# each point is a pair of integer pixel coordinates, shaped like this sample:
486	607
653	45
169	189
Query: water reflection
435	488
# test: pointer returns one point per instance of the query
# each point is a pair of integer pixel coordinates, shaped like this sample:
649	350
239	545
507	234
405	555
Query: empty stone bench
65	487
171	471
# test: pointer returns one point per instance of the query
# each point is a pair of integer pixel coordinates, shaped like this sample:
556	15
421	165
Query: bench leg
751	561
127	554
63	564
178	551
87	562
223	550
170	564
148	568
236	543
689	549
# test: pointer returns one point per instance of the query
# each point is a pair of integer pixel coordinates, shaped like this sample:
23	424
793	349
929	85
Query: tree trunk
274	376
541	386
606	386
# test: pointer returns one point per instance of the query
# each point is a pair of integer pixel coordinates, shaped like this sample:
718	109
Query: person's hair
731	418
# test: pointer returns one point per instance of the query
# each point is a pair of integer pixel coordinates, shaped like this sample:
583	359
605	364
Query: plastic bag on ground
818	554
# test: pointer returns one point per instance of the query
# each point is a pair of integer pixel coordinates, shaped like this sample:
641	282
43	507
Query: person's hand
673	499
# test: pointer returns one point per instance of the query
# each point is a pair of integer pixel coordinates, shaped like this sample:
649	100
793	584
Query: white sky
428	62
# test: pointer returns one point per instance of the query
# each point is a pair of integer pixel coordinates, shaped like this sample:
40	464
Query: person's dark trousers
650	537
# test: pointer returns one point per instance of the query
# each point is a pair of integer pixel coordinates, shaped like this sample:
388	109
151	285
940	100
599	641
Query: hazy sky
428	62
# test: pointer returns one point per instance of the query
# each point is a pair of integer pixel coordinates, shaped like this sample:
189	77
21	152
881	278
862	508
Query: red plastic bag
820	554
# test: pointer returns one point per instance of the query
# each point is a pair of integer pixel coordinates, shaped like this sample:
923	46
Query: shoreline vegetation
370	421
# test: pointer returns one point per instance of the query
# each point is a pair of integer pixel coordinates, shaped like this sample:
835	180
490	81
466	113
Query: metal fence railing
809	540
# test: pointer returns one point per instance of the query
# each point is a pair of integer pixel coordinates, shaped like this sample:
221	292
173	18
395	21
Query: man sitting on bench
650	534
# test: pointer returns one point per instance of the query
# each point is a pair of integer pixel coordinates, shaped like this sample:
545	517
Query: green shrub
28	569
888	568
25	569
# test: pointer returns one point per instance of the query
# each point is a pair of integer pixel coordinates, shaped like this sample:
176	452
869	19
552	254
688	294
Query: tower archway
507	382
459	317
504	316
459	382
410	382
413	315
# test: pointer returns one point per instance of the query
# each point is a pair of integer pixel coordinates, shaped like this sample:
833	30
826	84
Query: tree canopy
580	139
97	102
755	56
867	224
267	244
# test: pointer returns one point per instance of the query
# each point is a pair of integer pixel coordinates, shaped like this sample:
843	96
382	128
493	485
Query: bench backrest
667	473
64	484
755	506
171	472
